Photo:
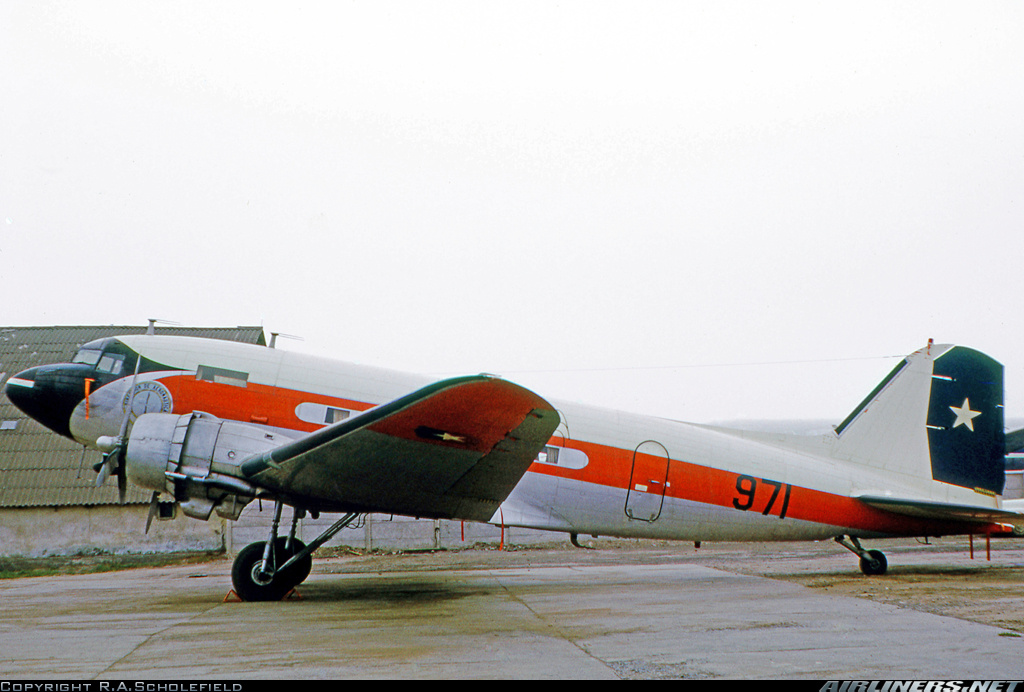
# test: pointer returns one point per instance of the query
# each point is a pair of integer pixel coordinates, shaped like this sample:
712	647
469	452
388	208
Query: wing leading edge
453	450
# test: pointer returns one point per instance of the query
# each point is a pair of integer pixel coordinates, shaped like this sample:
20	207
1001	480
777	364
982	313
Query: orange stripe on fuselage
611	467
273	406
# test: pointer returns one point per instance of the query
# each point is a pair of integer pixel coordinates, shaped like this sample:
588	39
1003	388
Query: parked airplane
215	424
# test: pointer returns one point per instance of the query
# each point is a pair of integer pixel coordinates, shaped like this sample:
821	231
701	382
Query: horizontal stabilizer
941	510
1014	441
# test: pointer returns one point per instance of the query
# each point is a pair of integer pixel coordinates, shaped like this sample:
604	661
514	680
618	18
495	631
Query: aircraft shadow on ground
391	590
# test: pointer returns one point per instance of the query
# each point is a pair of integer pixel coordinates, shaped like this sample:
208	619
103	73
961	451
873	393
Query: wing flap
454	449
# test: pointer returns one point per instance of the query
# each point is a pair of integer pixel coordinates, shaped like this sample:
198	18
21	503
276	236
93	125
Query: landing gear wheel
301	569
874	564
251	584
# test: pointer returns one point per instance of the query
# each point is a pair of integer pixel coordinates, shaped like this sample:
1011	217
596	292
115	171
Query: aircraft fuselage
604	472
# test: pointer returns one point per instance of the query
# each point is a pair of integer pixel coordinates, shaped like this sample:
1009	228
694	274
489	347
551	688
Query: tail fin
937	418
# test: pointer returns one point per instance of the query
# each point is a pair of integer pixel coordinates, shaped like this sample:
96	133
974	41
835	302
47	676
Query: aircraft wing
454	449
940	510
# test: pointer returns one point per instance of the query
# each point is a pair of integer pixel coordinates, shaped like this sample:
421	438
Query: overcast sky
703	210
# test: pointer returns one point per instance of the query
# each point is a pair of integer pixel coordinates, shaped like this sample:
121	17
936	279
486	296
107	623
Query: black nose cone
49	394
20	390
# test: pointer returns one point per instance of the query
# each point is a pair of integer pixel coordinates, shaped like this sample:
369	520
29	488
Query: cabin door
648	480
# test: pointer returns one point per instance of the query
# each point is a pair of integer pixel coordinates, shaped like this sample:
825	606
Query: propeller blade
104	471
113	461
122	483
153	508
131	395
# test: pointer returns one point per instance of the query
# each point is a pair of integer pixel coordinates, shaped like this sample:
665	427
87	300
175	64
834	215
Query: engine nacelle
196	458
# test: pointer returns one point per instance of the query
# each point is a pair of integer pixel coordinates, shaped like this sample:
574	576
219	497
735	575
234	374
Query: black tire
874	564
298	572
251	586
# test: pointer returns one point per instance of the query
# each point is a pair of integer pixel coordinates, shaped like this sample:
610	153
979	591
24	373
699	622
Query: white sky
597	200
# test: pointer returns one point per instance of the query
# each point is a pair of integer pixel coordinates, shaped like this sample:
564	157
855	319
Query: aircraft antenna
274	335
151	329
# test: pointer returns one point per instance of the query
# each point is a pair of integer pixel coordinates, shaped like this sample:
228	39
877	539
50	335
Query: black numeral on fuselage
746	490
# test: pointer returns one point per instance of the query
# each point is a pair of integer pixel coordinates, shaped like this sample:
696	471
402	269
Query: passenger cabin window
336	415
234	378
565	457
321	414
548	455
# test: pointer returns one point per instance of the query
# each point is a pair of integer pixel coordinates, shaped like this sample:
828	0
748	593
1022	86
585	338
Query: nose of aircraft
49	394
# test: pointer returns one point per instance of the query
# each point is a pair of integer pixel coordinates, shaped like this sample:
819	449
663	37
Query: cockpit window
111	364
87	356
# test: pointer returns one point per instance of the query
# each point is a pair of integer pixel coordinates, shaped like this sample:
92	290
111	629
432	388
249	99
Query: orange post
88	386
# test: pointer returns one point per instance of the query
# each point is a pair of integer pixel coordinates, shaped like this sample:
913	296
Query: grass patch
20	567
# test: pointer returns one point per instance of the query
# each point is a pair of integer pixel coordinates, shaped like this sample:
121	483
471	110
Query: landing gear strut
269	570
872	562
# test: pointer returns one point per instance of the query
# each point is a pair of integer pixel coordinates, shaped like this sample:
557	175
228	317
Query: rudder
966	437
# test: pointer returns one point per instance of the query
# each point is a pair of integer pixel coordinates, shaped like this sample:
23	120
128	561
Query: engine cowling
196	459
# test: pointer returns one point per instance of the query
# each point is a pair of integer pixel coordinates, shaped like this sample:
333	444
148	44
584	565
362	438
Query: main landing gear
872	562
269	570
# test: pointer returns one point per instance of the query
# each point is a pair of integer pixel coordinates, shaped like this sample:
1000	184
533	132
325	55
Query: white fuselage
604	472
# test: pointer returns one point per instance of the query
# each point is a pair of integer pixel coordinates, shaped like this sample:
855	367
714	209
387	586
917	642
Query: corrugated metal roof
39	468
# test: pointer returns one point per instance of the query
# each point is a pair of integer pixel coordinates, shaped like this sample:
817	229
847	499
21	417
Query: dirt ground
939	578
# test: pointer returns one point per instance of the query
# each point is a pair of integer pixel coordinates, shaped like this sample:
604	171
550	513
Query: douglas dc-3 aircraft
215	424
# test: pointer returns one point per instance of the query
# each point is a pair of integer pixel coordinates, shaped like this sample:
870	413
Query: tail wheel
874	563
252	584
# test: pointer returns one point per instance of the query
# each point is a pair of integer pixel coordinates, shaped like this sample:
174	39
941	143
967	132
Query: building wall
382	532
50	531
46	531
1014	488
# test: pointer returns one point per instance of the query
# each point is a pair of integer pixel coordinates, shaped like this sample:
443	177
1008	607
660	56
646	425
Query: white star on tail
964	415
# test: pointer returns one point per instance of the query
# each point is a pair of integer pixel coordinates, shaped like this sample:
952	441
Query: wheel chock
233	597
